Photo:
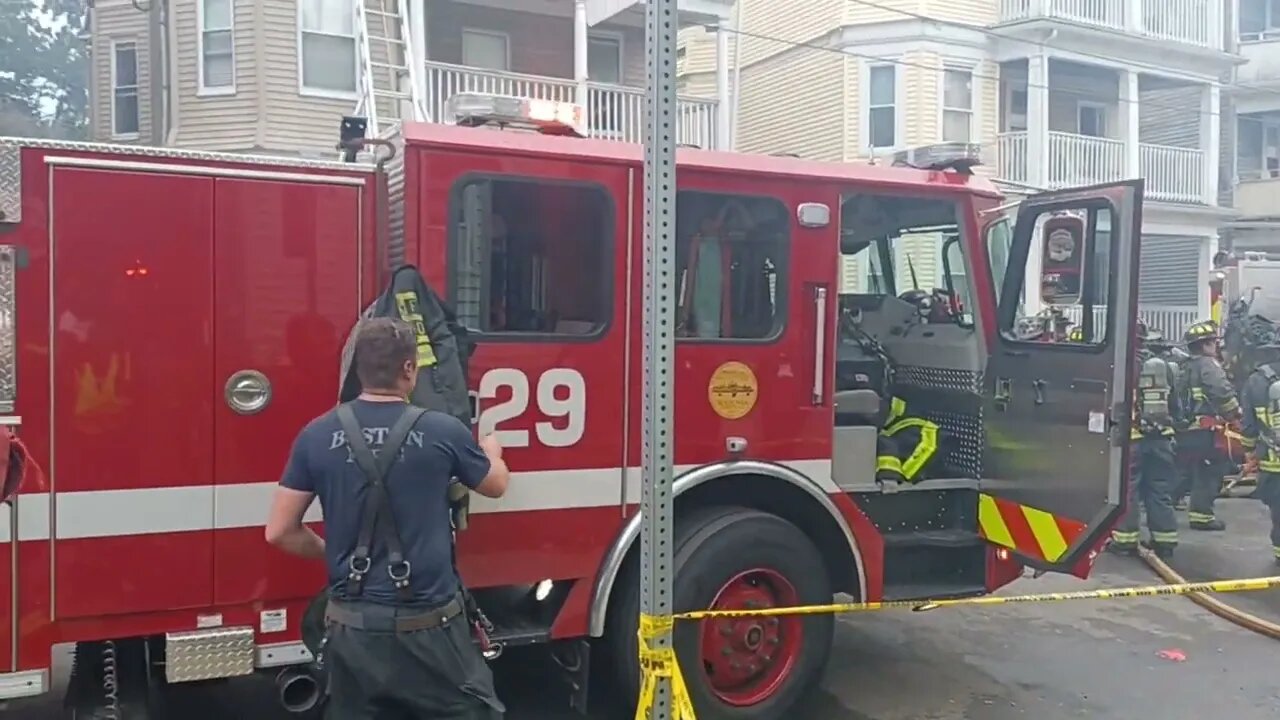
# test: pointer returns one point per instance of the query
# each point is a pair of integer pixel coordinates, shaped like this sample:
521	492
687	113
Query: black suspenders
377	511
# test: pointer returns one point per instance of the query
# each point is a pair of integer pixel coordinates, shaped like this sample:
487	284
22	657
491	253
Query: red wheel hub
746	660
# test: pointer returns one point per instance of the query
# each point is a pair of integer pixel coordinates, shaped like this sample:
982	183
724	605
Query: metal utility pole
661	24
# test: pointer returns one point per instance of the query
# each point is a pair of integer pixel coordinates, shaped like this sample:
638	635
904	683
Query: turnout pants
1152	478
380	672
1207	467
1269	492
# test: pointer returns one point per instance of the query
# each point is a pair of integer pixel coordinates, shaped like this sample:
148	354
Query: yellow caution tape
1215	586
658	662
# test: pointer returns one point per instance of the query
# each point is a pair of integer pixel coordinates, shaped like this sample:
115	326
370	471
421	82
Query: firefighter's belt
351	617
377	513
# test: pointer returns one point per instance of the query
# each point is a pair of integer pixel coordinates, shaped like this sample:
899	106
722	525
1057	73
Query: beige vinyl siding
789	21
697	69
112	24
922	73
970	12
215	122
857	13
294	122
792	104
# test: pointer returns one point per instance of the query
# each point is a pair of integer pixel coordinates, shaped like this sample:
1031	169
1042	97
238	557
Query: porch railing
614	112
1169	320
1173	174
1195	22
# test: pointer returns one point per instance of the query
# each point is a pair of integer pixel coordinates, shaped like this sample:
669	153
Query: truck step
932	538
932	591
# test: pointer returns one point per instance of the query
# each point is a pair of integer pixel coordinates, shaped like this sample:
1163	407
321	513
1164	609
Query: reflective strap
1276	549
1271	464
1165	538
897	407
1200	517
1230	405
1125	538
924	449
1248	442
889	463
1197	393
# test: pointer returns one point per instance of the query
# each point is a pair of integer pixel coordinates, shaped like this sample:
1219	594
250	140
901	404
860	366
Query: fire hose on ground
1217	607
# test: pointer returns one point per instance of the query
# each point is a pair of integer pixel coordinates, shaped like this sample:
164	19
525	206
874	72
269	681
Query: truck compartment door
1058	398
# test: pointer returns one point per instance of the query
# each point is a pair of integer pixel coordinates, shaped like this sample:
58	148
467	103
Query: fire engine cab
171	318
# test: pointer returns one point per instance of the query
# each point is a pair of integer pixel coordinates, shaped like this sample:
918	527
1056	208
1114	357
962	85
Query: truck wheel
735	669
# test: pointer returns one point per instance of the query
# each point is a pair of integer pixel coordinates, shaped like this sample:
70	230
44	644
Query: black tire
712	546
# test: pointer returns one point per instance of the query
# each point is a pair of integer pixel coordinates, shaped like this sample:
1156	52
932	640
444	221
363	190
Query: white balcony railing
614	112
1173	174
1168	320
1195	22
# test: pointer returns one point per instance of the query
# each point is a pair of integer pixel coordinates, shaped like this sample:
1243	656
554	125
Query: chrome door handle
248	392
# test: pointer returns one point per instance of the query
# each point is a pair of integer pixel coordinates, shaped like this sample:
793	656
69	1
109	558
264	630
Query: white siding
792	103
1169	270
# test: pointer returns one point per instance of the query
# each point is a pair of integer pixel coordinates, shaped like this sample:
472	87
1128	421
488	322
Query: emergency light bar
551	117
958	156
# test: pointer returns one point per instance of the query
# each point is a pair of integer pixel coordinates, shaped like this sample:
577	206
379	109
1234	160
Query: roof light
958	156
548	116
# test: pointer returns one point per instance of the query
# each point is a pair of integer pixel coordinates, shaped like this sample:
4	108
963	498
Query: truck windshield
895	245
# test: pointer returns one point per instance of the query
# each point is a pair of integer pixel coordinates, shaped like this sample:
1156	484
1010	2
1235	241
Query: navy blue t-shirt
438	449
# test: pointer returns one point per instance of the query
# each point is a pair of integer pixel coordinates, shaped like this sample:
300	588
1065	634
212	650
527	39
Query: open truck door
1057	410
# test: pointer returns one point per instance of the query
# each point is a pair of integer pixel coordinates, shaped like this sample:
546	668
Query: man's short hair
383	346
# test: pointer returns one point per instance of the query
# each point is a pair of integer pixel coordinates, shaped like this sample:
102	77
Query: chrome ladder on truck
389	87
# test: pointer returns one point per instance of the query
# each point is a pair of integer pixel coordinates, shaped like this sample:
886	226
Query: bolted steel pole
661	24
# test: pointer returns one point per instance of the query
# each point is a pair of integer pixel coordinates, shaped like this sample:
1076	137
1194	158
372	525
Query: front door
1058	384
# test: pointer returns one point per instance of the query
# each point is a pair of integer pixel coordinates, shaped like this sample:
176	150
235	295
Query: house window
486	49
327	40
1258	149
1259	19
124	90
881	106
1091	120
217	57
604	59
957	105
1016	120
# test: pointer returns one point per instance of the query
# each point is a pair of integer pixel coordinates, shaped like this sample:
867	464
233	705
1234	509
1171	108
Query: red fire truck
171	318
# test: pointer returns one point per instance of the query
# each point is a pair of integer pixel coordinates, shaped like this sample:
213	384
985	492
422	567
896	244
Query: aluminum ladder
390	90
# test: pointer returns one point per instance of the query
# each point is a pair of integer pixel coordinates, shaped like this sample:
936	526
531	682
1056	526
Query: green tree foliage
43	68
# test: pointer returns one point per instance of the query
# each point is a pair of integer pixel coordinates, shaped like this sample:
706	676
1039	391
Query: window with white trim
327	46
124	89
604	59
1258	147
486	49
217	54
957	105
882	111
1091	119
1259	20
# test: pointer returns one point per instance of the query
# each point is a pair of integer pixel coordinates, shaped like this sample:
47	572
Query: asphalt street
1150	658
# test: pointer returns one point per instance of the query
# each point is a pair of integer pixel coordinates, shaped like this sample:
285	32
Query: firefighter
398	636
1153	471
906	446
1261	429
1164	349
1211	402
